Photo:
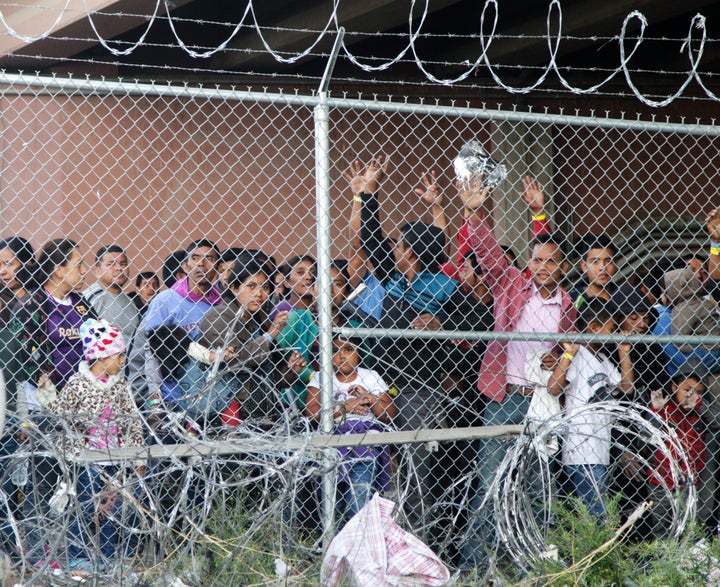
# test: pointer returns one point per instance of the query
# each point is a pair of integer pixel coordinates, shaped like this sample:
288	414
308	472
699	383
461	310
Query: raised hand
431	195
278	324
657	399
473	193
712	225
367	180
296	363
533	195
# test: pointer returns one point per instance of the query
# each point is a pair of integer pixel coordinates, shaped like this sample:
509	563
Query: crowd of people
232	336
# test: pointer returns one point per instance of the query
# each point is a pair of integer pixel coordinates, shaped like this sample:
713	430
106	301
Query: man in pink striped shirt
532	302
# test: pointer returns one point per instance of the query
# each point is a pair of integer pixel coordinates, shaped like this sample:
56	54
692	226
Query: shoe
81	565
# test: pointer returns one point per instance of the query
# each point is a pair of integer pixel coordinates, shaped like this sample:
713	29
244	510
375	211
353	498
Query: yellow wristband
715	250
540	217
357	198
568	356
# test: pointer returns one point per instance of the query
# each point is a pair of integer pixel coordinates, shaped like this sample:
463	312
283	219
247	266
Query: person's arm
384	408
502	278
378	249
558	378
712	225
658	401
534	197
312	404
627	377
432	196
28	326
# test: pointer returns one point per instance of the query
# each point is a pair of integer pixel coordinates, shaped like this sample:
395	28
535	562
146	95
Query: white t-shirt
342	390
587	439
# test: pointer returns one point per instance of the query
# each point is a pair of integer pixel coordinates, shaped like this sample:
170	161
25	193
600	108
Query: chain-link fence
319	337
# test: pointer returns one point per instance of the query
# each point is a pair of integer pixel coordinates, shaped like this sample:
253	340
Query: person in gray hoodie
693	312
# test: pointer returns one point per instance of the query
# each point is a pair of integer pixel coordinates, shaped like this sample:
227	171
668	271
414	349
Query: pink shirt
538	315
511	291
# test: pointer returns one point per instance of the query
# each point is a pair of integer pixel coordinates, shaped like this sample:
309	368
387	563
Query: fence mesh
222	461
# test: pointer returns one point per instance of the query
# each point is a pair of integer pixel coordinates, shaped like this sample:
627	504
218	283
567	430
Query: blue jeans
589	484
358	489
480	543
203	399
93	531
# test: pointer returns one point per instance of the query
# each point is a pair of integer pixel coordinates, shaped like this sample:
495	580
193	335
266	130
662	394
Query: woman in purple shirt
48	322
47	325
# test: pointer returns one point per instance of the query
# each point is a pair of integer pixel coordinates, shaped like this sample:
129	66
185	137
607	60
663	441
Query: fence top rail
695	340
314	442
401	105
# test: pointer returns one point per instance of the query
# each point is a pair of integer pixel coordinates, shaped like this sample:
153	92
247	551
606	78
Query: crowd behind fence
224	331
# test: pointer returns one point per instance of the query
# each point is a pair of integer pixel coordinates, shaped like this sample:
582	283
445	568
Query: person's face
699	268
346	358
635	323
253	292
72	274
599	266
201	266
687	393
468	275
148	289
403	255
339	287
607	327
9	266
112	270
301	279
114	364
545	265
473	281
225	270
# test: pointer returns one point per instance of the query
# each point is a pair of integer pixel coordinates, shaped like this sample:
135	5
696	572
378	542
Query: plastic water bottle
21	472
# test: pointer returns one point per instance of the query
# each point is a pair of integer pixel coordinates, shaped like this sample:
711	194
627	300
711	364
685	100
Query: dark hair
245	266
510	253
53	253
283	269
356	341
232	254
267	261
472	257
594	241
24	253
145	275
653	279
341	266
172	266
594	309
427	243
684	374
169	345
292	261
550	238
104	250
203	242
